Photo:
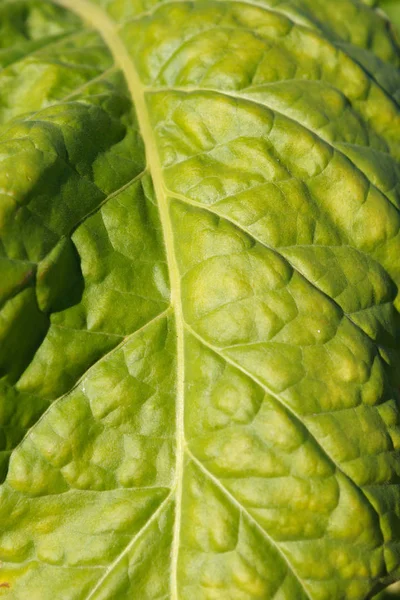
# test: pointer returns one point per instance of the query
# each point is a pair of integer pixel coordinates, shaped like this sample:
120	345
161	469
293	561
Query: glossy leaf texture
199	291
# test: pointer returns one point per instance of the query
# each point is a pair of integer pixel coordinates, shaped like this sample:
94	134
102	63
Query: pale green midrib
238	95
107	29
278	252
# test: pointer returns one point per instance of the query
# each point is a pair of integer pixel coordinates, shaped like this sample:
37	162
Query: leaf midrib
99	20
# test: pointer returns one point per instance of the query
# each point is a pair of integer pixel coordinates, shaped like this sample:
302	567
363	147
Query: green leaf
199	300
392	9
